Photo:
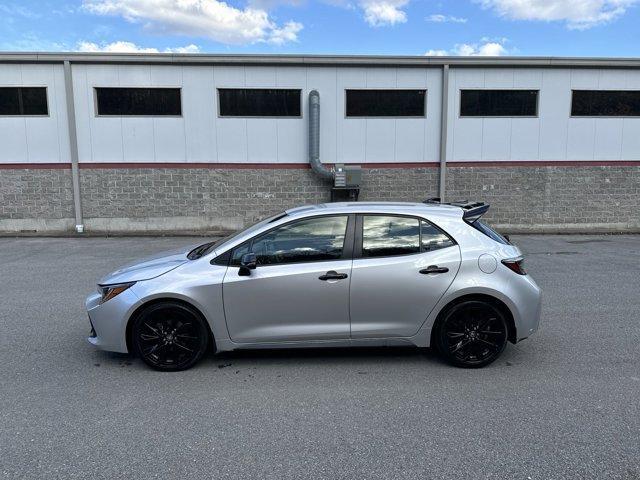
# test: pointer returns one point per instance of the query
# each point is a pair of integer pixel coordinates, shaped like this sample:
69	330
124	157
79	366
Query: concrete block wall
552	198
523	198
36	199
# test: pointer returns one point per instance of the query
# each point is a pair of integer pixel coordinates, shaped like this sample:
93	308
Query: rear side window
489	232
309	240
389	236
433	238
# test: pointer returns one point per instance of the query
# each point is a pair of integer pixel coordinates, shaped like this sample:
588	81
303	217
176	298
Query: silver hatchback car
338	274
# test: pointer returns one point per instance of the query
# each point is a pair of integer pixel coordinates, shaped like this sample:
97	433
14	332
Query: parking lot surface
562	404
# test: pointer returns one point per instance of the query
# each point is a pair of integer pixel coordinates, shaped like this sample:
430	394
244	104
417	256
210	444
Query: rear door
300	288
402	266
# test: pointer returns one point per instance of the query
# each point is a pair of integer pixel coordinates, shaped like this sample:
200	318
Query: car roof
407	208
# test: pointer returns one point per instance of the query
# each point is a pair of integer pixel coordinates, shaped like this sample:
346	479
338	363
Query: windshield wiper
199	251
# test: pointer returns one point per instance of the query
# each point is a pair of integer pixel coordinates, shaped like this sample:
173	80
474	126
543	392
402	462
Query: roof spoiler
472	211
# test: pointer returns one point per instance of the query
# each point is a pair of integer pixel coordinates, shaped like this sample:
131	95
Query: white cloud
288	33
203	18
489	49
379	13
436	53
578	14
18	10
129	47
271	4
191	48
439	18
486	49
31	42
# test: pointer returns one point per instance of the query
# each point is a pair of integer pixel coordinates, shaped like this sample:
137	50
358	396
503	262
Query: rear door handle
333	275
434	269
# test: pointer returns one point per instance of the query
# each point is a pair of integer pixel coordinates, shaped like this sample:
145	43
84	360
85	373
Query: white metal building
554	127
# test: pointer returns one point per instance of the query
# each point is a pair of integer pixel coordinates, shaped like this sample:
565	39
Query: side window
433	238
384	236
310	240
238	252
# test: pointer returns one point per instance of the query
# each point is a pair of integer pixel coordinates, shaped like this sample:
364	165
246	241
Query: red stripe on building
305	166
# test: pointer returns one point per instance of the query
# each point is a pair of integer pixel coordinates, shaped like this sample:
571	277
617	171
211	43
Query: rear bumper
109	320
529	306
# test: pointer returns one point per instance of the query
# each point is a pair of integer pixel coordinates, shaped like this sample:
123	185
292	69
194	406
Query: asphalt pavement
564	404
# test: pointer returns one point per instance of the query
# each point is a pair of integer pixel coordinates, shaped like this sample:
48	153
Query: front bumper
109	320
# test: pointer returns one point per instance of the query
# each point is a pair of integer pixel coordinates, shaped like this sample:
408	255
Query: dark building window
23	101
605	103
138	101
386	103
259	102
498	103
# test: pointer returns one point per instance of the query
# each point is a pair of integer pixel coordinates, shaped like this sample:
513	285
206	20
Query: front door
402	266
300	288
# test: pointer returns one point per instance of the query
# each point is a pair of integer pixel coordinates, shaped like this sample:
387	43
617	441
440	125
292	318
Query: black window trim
571	115
347	248
97	114
23	115
388	117
267	117
537	115
358	240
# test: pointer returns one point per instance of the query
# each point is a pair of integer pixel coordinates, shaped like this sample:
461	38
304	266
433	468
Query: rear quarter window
489	232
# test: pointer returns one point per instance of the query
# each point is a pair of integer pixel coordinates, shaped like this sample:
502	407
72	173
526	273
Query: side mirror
248	262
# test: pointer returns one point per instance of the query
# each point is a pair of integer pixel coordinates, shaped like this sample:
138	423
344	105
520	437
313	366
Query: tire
170	336
472	334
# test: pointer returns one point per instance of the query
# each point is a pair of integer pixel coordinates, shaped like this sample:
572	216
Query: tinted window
23	101
259	102
386	103
605	103
238	252
386	236
498	103
490	232
433	239
310	240
138	101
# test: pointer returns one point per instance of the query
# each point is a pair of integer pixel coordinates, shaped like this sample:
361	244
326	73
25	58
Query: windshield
209	247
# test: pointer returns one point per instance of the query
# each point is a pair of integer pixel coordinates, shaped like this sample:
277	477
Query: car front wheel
472	334
170	336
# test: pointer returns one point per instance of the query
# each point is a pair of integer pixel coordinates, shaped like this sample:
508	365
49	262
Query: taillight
516	265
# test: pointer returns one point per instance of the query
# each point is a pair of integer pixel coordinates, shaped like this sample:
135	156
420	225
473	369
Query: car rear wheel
472	334
170	336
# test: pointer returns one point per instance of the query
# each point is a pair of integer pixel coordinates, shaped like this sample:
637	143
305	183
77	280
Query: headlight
110	291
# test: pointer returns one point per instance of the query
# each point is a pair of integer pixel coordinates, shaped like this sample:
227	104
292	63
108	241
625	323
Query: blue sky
401	27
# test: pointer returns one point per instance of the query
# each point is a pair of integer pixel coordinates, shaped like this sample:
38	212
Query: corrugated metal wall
554	135
201	136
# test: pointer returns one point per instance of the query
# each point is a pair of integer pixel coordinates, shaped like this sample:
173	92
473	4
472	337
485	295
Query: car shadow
329	353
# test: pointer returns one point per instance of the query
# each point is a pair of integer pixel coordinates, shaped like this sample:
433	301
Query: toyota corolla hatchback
338	274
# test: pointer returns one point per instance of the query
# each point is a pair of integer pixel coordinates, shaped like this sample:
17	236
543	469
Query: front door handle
434	269
333	275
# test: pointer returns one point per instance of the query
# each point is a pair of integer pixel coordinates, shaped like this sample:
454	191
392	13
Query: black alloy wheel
472	334
170	336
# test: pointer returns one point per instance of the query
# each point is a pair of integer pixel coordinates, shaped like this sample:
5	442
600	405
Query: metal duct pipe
314	137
